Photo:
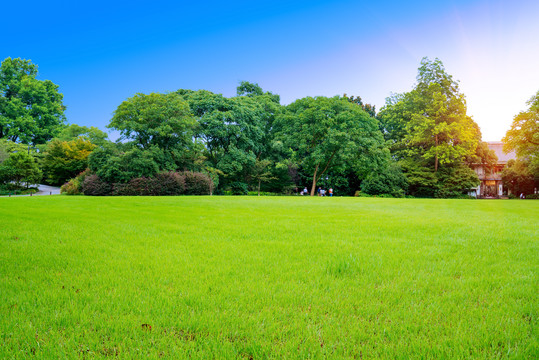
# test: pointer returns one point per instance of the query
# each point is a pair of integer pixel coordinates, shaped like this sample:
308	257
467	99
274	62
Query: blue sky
102	52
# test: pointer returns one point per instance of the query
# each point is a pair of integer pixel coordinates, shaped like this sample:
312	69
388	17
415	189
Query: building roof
503	158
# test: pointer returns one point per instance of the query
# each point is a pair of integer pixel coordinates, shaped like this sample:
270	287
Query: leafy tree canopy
20	167
162	120
92	134
63	160
31	110
329	133
523	137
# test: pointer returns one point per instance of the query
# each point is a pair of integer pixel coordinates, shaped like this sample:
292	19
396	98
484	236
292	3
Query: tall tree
430	127
31	110
162	120
325	134
235	132
523	137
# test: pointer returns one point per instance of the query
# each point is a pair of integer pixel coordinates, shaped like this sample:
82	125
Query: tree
262	173
389	180
235	132
112	165
517	177
324	134
428	129
63	160
162	120
31	110
523	137
74	131
368	108
430	121
20	168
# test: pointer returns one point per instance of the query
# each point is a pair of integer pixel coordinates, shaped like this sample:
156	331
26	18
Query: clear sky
102	52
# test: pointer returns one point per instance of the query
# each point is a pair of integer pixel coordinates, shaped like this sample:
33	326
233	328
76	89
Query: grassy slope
223	277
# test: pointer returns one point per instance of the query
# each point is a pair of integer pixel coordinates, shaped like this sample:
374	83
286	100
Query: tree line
421	143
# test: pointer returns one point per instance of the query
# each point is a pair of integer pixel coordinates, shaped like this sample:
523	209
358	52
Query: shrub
93	185
163	184
169	183
196	183
74	186
239	188
532	196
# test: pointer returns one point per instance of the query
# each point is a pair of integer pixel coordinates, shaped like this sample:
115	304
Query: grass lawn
268	278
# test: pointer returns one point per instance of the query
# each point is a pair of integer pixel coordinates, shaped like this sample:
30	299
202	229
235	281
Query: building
491	186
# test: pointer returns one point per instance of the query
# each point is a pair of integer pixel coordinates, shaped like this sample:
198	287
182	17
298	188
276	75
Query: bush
532	196
239	188
197	183
74	186
170	183
94	186
163	184
135	187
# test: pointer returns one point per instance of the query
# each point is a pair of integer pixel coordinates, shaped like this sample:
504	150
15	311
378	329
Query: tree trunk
314	180
259	181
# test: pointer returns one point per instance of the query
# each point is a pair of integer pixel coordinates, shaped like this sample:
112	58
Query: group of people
320	192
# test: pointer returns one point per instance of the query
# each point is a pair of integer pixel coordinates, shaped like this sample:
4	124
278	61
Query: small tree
65	159
262	173
21	167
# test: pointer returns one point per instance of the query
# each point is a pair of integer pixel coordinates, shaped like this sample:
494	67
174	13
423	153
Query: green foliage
235	132
20	167
456	181
262	172
239	188
329	135
422	181
484	156
161	120
517	177
74	131
389	181
246	88
115	166
74	186
31	110
428	128
523	137
7	147
368	108
65	159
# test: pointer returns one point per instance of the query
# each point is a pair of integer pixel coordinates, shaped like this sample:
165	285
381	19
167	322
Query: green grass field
268	278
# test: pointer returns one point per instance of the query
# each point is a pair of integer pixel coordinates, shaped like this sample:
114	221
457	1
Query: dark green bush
239	188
